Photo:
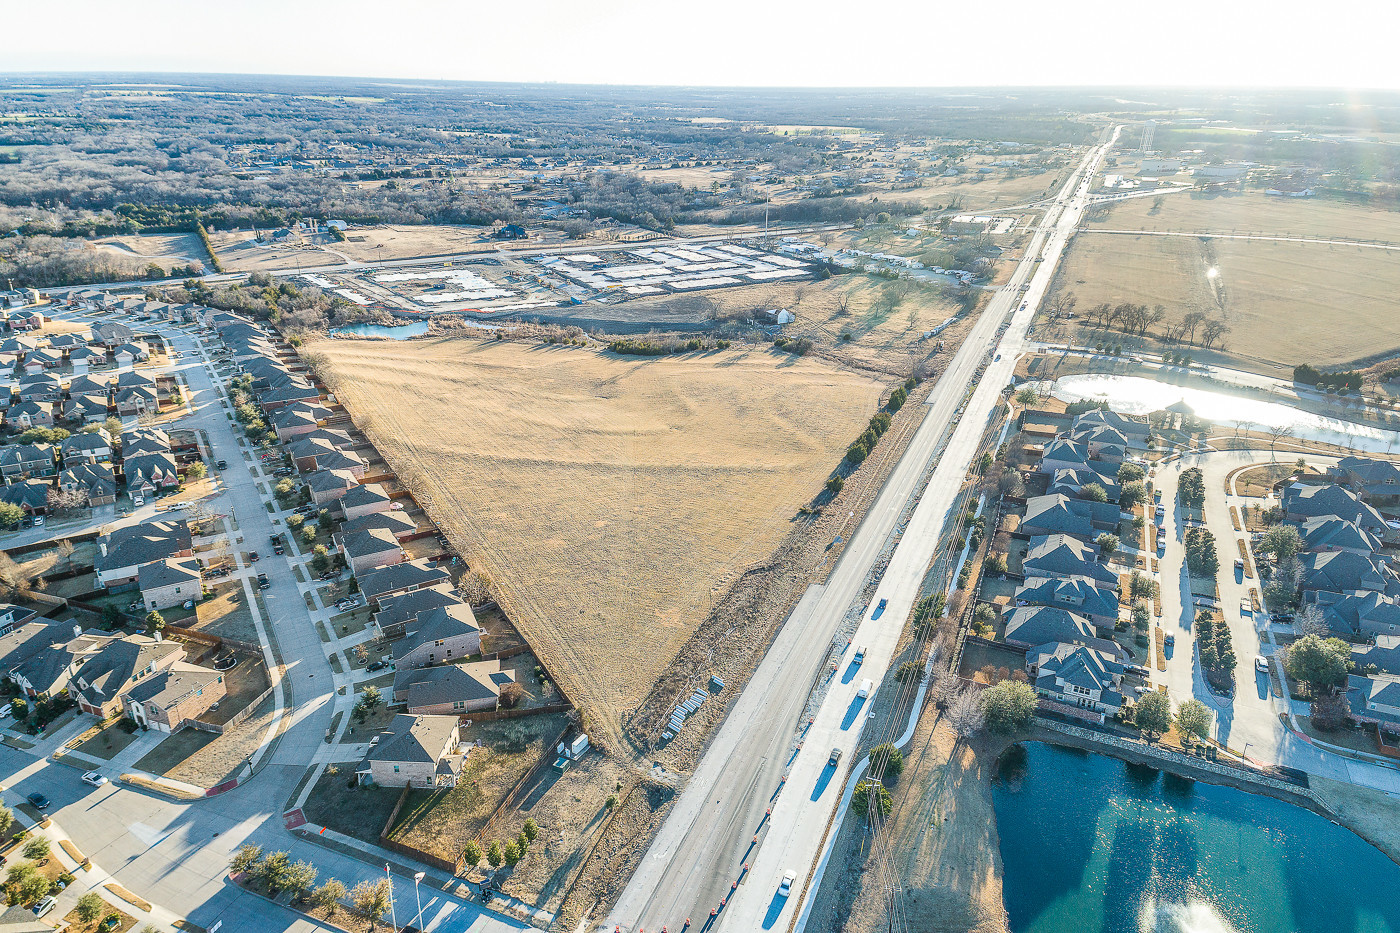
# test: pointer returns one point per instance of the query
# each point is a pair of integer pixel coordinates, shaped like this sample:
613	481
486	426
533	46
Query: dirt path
943	842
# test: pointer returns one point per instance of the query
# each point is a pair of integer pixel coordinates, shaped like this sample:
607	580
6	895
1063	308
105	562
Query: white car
93	778
1261	663
785	887
45	905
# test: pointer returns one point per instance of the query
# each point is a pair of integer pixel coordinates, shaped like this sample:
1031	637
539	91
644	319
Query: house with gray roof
1359	613
100	680
27	639
32	495
1344	571
361	500
39	388
1081	595
1028	626
329	485
297	419
1067	556
48	671
96	481
123	548
1300	503
438	635
1330	533
369	548
169	582
173	697
1375	701
86	447
149	473
20	460
397	611
1378	479
1076	675
396	523
85	409
451	689
406	577
25	415
1059	514
1072	482
1133	427
414	751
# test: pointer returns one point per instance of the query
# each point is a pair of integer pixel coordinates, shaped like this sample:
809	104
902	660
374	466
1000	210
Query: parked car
1169	640
330	574
253	556
39	801
263	582
45	904
1261	663
93	778
38	521
377	666
283	471
222	465
6	710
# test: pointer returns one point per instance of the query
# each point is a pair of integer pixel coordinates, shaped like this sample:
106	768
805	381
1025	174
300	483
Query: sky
785	43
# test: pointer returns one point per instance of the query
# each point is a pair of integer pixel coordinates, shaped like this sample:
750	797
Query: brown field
240	252
612	498
1253	212
160	247
1285	302
403	242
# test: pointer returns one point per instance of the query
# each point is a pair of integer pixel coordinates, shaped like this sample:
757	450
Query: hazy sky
724	42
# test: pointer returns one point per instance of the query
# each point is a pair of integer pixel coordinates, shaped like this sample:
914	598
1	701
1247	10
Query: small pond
1091	844
394	332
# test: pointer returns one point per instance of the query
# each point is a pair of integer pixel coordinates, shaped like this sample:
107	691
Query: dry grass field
612	498
367	244
1285	303
1253	212
160	247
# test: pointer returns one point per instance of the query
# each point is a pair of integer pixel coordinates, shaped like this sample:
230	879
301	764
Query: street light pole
418	920
393	916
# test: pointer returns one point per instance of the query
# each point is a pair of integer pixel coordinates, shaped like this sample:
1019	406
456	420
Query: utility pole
392	914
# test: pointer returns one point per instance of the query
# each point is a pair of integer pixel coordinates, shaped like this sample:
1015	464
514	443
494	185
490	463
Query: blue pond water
396	332
1090	844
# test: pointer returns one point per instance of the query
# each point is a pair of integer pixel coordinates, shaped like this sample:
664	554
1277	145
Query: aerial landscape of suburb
621	468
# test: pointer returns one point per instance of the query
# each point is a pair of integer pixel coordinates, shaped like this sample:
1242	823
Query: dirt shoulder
942	838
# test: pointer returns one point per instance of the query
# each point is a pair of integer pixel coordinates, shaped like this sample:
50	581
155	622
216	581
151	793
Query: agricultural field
1252	212
1284	302
613	499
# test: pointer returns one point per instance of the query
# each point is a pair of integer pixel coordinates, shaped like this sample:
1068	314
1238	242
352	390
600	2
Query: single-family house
1330	533
84	358
1133	428
396	523
414	751
1378	480
328	485
23	460
1059	514
451	689
27	639
85	409
1028	626
1081	595
123	548
298	390
49	671
1343	572
369	548
32	495
169	699
1076	675
86	447
42	360
111	334
396	579
102	678
147	473
301	418
1072	482
43	387
1359	613
395	612
12	616
360	501
14	349
1375	701
1067	556
137	400
169	582
95	481
89	385
436	635
25	415
131	353
138	441
1300	503
317	454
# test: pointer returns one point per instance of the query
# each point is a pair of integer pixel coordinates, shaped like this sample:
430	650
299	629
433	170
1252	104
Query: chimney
77	630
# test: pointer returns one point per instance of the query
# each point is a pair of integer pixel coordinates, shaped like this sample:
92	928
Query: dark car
253	556
39	801
880	609
330	574
222	464
263	582
283	471
377	665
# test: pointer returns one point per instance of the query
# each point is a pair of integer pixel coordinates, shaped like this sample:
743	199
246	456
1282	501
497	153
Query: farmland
1252	212
612	499
1284	302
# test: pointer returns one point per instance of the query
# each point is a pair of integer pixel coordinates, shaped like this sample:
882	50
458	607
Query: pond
1136	395
1091	844
395	332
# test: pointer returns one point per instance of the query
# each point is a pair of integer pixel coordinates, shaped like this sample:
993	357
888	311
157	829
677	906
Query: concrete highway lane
702	848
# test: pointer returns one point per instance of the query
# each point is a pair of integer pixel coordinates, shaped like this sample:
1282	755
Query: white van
864	690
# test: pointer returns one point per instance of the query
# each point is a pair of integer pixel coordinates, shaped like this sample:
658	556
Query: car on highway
880	609
785	886
860	655
835	757
93	778
865	687
38	800
1261	663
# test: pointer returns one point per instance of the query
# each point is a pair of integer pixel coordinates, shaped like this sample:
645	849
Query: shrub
329	895
512	853
835	484
494	857
1008	706
471	853
531	829
37	849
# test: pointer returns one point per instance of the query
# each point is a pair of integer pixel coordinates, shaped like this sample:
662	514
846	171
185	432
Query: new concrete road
701	849
175	854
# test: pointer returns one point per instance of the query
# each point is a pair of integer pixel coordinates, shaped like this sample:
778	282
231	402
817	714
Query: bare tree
1191	321
476	587
65	552
1278	433
1214	329
843	304
945	688
1309	621
965	715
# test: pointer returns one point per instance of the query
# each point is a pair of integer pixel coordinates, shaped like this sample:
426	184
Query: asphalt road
701	849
